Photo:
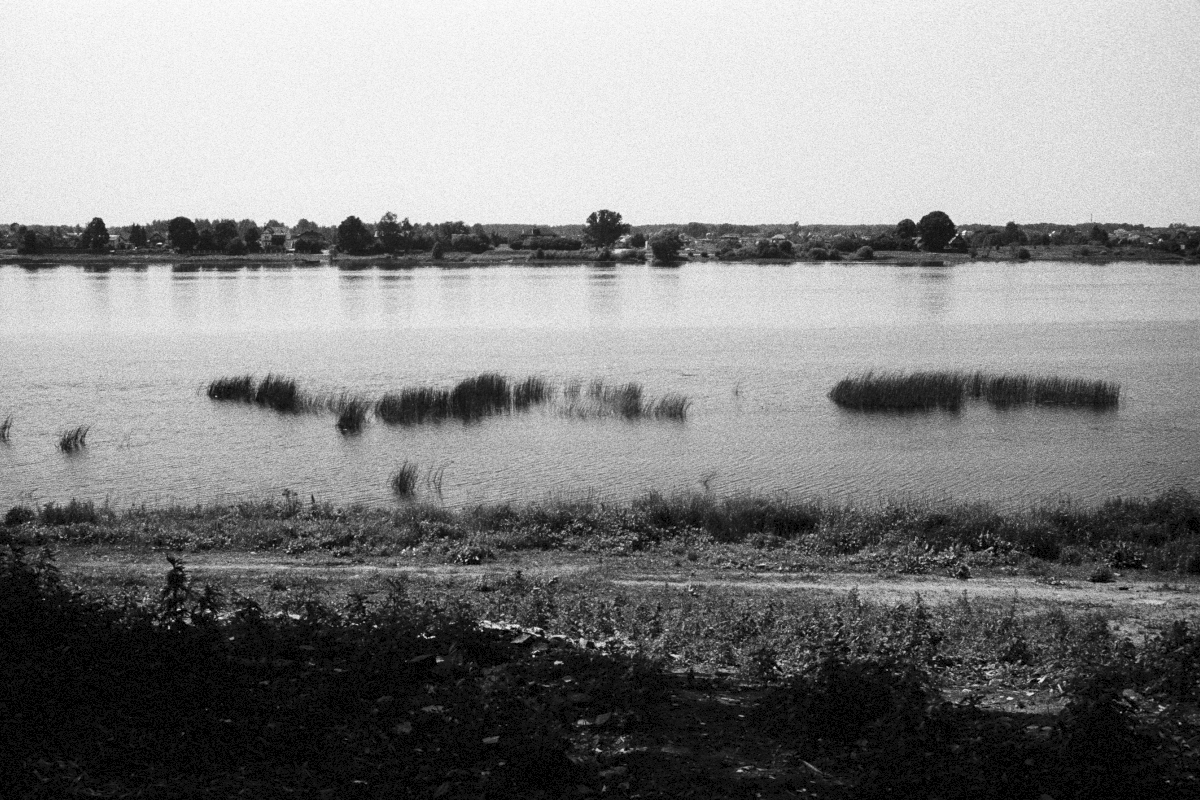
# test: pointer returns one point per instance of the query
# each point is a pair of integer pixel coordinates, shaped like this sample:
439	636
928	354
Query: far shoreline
506	257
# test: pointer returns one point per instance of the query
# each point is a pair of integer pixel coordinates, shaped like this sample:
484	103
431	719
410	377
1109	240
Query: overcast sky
817	112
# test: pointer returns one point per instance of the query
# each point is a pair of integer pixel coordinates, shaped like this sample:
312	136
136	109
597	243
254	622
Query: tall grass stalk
5	427
531	391
404	480
74	439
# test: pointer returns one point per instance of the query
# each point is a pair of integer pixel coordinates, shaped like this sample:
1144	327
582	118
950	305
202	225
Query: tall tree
137	235
666	244
390	234
224	231
353	236
604	227
183	234
906	229
95	235
936	229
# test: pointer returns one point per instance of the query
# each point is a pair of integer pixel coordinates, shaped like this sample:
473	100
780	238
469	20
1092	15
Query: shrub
666	244
236	247
73	512
818	254
19	515
865	253
1023	254
436	252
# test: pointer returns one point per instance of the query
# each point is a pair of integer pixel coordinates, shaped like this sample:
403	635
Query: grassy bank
539	678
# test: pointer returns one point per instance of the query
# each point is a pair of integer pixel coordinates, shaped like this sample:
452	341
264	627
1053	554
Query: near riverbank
744	647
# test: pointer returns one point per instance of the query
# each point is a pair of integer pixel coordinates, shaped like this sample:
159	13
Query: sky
837	112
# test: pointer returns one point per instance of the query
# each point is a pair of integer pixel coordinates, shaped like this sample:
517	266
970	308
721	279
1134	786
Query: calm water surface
755	347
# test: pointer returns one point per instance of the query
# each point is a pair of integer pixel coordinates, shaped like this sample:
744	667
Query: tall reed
280	394
671	406
74	439
624	399
413	406
531	391
240	388
352	413
404	480
480	396
5	427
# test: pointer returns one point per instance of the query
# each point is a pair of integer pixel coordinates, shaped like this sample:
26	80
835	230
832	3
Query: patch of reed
404	480
899	391
5	427
75	439
239	389
624	399
670	406
433	480
352	413
279	393
480	396
413	406
531	391
924	391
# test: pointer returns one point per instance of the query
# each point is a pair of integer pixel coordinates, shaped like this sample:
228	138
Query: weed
74	439
404	480
240	389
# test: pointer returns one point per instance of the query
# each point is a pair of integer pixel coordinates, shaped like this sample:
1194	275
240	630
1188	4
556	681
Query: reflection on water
755	347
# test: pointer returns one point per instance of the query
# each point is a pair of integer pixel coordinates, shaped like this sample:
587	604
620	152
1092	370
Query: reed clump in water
671	406
624	399
413	406
926	391
480	396
404	480
898	391
531	392
279	393
5	427
352	413
239	389
73	440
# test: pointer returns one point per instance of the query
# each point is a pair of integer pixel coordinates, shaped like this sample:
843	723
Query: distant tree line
603	230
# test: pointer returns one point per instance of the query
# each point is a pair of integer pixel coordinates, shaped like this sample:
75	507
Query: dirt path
1130	591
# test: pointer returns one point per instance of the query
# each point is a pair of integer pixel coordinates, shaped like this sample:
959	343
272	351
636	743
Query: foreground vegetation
927	391
534	680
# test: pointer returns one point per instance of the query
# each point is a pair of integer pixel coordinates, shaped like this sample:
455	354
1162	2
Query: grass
531	392
671	406
413	406
946	391
351	412
5	427
74	439
512	683
480	396
280	393
239	389
404	480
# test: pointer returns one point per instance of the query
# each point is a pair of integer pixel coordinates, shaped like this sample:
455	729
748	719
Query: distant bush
73	512
834	255
19	515
843	243
666	244
436	252
469	243
236	247
865	253
818	254
637	240
545	243
1023	254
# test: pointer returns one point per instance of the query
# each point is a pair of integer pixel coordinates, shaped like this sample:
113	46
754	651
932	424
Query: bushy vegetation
513	684
924	391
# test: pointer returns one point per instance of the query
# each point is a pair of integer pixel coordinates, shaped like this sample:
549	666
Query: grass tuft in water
73	440
624	399
352	413
5	427
239	389
280	394
413	406
480	396
671	406
530	392
404	480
